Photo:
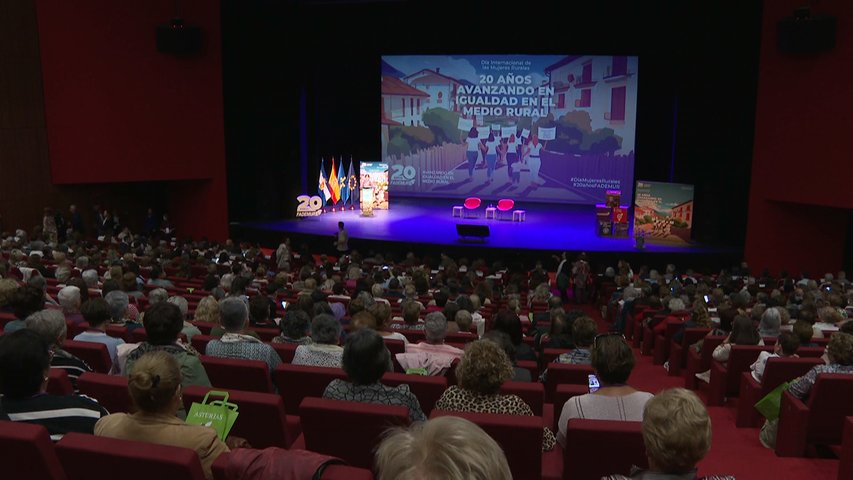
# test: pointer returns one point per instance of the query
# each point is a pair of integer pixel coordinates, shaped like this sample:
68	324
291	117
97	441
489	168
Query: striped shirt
72	365
59	415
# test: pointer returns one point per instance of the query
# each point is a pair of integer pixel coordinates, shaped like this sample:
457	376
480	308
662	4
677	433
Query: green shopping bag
770	405
217	414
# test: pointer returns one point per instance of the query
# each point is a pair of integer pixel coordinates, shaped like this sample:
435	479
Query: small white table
518	215
457	211
490	212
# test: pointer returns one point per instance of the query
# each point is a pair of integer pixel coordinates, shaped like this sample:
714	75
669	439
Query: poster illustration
663	211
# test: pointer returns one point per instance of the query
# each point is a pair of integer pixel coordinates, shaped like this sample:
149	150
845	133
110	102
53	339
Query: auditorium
575	241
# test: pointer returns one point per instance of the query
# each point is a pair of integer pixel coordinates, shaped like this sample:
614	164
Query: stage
423	222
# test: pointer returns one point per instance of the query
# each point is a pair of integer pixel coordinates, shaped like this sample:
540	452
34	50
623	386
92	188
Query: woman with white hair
771	322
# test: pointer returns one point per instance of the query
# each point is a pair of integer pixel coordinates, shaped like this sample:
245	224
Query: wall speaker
468	232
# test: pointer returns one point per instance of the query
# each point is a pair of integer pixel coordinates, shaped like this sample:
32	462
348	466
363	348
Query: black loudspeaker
176	38
471	232
805	34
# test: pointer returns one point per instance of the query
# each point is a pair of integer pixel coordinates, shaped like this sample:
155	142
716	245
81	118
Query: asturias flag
334	186
322	186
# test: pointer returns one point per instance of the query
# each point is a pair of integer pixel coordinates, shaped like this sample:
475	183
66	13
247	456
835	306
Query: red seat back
58	382
332	472
562	395
561	373
784	369
199	342
262	420
427	389
394	346
87	457
472	202
248	375
740	359
460	337
414	336
295	382
348	430
845	466
29	451
829	402
286	351
117	331
266	334
109	390
94	354
505	204
519	436
138	335
551	354
6	317
205	327
811	352
586	439
533	394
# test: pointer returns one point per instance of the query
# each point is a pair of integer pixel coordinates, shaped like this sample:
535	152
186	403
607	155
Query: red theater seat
564	373
262	419
531	366
427	389
561	396
109	390
295	382
678	351
94	354
332	472
519	436
87	457
248	375
725	379
700	362
199	342
551	354
58	382
663	340
818	420
777	371
587	439
28	452
348	430
533	394
285	350
845	466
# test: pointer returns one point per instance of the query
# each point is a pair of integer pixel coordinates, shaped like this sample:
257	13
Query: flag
353	184
334	186
344	183
322	186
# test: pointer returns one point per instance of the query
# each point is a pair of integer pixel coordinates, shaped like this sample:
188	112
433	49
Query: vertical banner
663	211
374	176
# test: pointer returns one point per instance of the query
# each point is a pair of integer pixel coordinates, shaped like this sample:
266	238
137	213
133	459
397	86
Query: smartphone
707	299
593	383
284	304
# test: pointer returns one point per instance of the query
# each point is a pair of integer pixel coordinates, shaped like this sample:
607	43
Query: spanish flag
334	185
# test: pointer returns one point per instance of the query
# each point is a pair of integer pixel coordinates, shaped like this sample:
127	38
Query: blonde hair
7	288
207	310
484	367
153	382
676	430
449	448
840	348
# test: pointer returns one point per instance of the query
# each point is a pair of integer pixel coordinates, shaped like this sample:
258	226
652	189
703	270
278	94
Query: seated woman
295	327
325	351
365	360
449	448
839	356
382	314
613	361
163	324
677	435
786	346
481	372
743	333
508	322
24	365
155	388
771	322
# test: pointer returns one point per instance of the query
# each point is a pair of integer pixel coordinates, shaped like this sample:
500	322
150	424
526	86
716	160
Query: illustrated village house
683	212
402	103
604	86
441	88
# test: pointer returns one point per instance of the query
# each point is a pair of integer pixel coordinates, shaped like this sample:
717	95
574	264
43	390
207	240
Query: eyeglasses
608	334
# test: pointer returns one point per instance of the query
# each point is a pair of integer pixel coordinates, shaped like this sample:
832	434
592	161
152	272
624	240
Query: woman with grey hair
771	322
325	351
50	325
118	302
189	329
433	355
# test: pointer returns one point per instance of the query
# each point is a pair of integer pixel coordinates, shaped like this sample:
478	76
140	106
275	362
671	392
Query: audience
163	323
325	351
613	361
295	327
481	372
50	325
677	435
502	339
155	388
365	359
786	346
234	344
449	448
24	367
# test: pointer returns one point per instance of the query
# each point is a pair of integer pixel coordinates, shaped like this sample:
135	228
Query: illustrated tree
442	123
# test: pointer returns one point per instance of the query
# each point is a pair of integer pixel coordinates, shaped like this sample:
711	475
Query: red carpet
734	451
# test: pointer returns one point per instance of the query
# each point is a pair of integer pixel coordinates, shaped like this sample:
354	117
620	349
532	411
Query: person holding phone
610	397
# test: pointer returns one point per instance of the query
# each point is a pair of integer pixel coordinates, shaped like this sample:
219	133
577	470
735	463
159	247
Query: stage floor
428	221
